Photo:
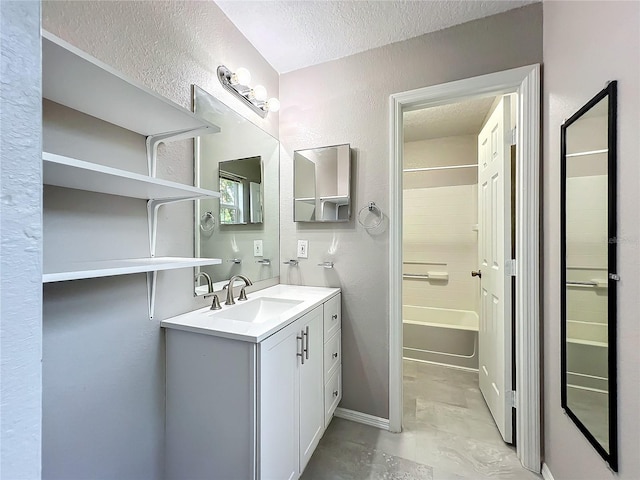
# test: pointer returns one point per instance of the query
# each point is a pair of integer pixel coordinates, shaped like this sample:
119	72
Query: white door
494	249
311	385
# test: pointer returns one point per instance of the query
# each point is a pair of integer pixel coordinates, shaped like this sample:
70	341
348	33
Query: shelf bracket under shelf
151	292
152	217
154	140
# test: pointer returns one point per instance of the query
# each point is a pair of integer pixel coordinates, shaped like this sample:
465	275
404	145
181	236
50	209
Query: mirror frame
611	457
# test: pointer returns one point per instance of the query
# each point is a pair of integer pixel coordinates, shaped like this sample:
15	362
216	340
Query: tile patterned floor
448	435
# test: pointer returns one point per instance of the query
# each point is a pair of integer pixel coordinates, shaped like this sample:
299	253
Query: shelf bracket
152	217
151	292
154	140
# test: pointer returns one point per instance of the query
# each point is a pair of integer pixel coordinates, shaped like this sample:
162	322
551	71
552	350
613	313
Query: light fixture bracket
240	91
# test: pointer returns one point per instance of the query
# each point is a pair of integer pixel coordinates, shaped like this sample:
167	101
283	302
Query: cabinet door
278	404
311	385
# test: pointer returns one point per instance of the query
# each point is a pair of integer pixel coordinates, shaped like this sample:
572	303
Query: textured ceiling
463	118
295	34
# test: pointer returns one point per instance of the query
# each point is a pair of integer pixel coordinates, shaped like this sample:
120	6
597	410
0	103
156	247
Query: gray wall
346	101
103	360
21	297
586	44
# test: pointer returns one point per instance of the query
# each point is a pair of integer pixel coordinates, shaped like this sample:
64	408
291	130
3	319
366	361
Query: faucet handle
243	294
215	304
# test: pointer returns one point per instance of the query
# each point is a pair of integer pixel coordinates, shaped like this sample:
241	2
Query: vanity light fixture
256	98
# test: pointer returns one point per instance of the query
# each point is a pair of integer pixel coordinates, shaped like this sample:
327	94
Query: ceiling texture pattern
295	34
451	120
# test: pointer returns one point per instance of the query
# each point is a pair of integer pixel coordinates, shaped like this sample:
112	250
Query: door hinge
510	267
514	135
512	398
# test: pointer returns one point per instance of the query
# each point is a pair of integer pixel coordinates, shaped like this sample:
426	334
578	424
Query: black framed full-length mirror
588	271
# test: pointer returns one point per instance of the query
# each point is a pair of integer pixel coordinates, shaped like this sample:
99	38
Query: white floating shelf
80	175
108	268
77	80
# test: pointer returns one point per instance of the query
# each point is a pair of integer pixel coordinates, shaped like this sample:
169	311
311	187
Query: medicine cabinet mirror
589	275
240	191
242	226
322	184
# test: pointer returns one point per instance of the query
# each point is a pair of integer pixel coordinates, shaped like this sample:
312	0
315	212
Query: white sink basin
259	310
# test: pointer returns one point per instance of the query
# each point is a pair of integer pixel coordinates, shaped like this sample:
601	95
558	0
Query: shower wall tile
438	232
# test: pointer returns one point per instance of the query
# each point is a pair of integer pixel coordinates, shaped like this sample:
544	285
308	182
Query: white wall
586	44
103	370
21	253
346	101
440	209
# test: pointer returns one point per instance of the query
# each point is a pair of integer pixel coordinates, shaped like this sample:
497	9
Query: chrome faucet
207	278
243	294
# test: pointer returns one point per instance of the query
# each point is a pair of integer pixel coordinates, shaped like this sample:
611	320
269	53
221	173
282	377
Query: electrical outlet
303	248
257	248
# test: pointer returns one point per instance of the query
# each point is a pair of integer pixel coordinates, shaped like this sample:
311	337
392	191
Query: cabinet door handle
335	393
335	355
335	316
306	334
301	354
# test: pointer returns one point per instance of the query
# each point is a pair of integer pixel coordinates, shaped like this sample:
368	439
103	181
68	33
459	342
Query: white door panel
494	249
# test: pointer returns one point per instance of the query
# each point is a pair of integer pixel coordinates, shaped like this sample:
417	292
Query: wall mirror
322	184
589	276
241	228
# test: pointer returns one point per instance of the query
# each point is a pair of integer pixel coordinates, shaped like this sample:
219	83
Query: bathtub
442	336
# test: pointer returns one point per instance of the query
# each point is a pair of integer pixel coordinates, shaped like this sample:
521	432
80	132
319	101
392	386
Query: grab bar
583	284
429	275
423	263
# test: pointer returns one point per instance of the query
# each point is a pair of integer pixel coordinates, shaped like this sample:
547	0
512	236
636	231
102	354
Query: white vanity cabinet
291	380
239	410
332	356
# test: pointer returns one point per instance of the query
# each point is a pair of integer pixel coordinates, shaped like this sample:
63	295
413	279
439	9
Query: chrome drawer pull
306	349
334	317
335	393
335	355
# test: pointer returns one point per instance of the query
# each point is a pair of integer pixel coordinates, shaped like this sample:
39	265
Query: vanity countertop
213	322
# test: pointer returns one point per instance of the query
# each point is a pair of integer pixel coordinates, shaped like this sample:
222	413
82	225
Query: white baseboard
546	473
364	418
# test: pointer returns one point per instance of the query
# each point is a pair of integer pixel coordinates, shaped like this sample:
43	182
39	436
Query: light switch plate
303	248
257	248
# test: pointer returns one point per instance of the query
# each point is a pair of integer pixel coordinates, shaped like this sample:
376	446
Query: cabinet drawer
332	314
332	355
332	395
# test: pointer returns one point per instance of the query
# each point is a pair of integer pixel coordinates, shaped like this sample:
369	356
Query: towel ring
370	207
207	222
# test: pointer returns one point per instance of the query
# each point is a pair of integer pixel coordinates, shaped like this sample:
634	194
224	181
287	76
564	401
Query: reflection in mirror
322	184
242	227
589	272
240	191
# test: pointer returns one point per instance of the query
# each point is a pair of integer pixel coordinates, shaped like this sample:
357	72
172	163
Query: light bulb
260	93
273	104
242	76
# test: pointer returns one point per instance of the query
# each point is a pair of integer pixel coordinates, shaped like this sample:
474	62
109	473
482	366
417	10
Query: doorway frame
525	82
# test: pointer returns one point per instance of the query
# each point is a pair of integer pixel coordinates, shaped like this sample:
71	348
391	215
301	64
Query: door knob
476	274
